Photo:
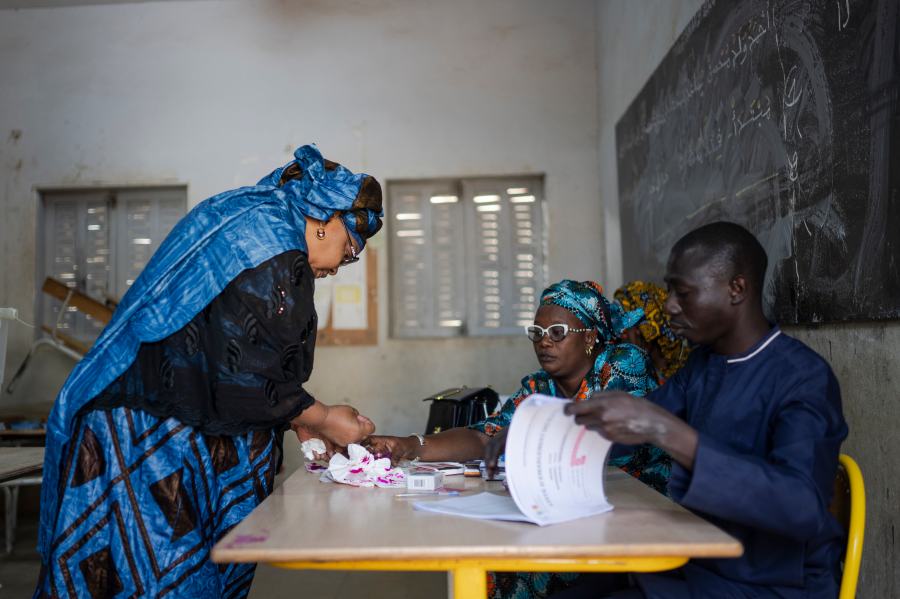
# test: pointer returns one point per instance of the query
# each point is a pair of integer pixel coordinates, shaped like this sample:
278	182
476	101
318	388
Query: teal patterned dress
621	367
617	367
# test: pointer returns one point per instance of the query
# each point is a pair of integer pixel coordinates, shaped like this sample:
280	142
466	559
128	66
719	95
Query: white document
554	470
484	506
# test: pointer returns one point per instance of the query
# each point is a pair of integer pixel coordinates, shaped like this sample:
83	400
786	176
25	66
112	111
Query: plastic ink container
424	481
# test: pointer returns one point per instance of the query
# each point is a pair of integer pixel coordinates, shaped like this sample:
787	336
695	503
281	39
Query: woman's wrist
412	447
312	417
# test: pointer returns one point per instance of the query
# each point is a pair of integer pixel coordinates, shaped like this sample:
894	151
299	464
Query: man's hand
623	418
495	447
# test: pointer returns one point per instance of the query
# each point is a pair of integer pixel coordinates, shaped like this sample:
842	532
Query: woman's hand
305	433
396	448
344	425
337	426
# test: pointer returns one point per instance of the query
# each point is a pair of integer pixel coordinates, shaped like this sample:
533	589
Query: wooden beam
79	300
69	342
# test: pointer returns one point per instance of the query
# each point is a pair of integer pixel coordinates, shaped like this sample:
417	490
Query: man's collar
757	348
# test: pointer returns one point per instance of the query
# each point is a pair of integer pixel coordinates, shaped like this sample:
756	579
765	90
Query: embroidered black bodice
239	364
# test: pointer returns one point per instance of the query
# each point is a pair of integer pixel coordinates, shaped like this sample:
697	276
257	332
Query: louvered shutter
506	265
76	252
428	256
95	258
145	217
61	258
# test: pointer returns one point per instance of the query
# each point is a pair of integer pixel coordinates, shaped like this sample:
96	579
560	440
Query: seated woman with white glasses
577	341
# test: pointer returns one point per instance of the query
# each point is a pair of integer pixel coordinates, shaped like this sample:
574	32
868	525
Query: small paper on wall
349	298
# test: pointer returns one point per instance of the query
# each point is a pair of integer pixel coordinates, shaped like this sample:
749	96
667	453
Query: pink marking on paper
578	460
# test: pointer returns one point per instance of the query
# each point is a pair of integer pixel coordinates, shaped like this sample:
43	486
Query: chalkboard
782	116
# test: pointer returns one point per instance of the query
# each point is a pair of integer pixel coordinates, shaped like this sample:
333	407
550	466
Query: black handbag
460	406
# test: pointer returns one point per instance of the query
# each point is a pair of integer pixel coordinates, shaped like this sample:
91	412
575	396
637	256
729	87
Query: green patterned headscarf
585	300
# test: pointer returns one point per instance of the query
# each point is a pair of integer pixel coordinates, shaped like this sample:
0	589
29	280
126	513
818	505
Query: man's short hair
729	246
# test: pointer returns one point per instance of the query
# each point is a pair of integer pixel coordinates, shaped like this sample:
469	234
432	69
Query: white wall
633	37
216	94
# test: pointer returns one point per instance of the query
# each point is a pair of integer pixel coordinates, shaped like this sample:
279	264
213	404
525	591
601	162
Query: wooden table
19	461
306	524
29	437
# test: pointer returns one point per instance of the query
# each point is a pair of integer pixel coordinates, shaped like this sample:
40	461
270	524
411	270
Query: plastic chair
849	507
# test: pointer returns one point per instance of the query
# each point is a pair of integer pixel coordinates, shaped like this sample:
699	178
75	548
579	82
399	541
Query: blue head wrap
585	300
328	187
222	236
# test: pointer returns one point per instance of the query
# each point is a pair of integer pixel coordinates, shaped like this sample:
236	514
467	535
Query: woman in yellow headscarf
667	351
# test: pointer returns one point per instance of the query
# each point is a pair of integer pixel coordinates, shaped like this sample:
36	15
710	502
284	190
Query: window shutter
95	255
427	246
506	263
527	248
61	258
76	252
145	217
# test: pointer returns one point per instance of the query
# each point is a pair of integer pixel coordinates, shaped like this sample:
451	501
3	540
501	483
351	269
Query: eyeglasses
556	332
353	257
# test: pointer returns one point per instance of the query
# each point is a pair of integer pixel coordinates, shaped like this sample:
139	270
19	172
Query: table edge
392	554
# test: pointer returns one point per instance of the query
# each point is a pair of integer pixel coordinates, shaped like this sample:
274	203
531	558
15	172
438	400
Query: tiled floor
19	572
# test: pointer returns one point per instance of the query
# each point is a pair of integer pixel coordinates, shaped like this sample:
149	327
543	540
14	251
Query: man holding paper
753	424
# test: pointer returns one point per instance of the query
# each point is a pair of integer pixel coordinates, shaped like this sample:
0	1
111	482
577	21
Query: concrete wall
215	94
866	359
633	37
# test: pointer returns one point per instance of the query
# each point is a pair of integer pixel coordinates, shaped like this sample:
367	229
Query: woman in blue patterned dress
575	335
168	433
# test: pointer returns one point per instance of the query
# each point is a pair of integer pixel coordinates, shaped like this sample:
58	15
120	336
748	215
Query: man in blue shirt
753	423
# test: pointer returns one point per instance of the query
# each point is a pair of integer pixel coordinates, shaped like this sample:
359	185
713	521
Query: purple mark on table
248	539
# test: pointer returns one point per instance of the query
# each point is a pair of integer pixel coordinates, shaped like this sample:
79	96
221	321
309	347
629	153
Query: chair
27	398
849	507
10	490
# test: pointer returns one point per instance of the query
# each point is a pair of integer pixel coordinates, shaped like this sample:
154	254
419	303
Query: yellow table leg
469	582
470	574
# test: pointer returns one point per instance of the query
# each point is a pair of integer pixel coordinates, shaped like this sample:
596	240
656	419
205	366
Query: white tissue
361	469
312	448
